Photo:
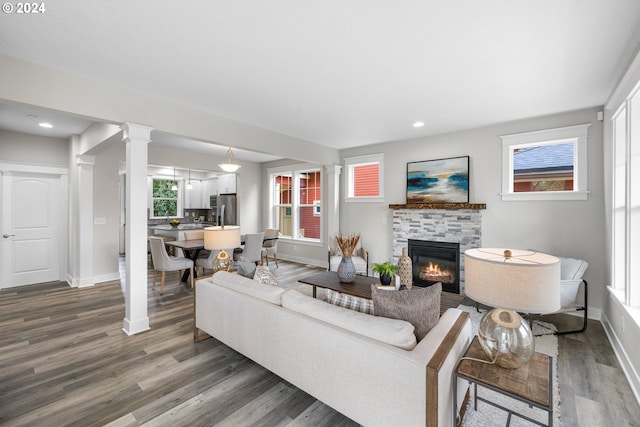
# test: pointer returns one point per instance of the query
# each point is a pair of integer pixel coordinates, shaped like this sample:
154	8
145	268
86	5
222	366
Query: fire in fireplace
435	262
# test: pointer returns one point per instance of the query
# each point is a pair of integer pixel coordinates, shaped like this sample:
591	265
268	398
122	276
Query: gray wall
564	228
19	147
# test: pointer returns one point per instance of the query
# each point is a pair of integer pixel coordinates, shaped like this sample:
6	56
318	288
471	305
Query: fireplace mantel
448	206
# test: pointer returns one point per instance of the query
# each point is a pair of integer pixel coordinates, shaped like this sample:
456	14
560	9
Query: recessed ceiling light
418	124
45	125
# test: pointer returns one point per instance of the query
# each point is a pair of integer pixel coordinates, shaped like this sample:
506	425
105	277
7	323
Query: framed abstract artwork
438	181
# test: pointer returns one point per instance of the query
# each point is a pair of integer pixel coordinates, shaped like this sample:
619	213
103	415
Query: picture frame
438	181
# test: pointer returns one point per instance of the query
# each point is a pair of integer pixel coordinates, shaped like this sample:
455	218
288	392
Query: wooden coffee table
530	383
360	287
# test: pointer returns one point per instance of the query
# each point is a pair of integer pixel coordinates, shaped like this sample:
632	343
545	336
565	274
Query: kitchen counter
183	226
176	232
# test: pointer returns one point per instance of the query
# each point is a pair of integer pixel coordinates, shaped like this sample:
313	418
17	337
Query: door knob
6	236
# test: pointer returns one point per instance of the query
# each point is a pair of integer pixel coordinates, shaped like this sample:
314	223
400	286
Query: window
363	178
296	201
625	275
164	200
545	165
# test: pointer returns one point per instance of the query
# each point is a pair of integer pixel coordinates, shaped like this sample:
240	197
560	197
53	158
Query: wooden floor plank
64	360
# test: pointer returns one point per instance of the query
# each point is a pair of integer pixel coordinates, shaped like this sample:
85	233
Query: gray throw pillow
246	268
418	306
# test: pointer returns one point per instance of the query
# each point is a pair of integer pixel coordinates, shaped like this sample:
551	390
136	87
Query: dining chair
253	247
197	235
162	262
207	263
194	235
270	245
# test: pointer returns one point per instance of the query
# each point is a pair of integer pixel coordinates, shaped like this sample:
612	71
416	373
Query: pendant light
229	164
174	187
189	186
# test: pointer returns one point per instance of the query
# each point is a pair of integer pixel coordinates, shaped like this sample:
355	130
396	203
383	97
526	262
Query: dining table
192	248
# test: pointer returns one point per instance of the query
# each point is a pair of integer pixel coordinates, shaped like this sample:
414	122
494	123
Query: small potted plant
386	270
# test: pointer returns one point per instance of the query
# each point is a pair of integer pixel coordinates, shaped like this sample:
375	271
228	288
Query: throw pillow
264	275
418	306
246	268
349	301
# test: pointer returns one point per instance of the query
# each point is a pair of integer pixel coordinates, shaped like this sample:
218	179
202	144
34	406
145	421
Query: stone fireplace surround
453	223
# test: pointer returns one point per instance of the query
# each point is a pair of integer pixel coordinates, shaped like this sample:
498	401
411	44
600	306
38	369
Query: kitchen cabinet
209	188
227	183
193	197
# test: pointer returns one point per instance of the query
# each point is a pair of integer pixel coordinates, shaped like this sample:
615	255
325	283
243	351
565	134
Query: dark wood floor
64	360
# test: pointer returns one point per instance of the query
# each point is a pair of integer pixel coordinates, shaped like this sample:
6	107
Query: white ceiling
343	73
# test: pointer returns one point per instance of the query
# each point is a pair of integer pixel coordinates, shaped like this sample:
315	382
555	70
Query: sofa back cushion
244	285
390	331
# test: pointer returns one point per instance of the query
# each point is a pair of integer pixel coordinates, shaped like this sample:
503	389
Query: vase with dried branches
346	269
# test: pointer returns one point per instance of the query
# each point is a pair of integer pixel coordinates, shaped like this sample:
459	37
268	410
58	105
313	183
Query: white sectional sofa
366	367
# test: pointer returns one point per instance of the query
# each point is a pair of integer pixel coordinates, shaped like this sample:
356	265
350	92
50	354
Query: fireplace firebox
435	262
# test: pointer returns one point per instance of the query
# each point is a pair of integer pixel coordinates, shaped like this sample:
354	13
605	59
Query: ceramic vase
385	279
405	269
346	270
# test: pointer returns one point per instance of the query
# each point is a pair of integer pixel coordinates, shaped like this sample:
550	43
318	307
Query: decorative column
84	221
333	199
136	138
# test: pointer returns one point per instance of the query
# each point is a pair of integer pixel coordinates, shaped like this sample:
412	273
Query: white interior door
30	229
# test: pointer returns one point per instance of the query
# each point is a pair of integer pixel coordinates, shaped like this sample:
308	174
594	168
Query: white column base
135	327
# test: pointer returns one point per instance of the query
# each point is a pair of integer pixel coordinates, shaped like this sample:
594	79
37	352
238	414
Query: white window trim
295	171
180	205
349	162
579	133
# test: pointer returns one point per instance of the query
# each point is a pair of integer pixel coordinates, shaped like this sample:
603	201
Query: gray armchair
571	272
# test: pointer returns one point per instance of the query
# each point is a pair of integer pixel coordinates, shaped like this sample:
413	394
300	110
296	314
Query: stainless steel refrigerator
226	212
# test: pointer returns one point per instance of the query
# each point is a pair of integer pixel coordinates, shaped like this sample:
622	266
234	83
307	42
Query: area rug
488	415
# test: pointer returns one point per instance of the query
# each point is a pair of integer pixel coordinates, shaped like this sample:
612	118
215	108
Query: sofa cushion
238	283
418	306
265	276
390	331
351	302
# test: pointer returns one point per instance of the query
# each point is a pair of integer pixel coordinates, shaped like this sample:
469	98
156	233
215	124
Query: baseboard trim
109	277
132	327
76	282
621	354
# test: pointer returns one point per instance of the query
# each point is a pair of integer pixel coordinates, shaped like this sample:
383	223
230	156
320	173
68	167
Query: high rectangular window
363	178
545	165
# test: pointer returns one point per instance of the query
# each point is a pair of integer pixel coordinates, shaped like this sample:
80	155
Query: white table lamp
222	238
512	281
